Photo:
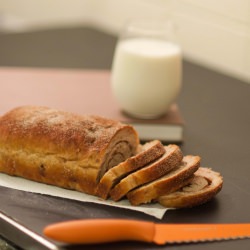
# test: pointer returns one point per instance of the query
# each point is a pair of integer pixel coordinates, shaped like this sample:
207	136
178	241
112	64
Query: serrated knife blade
93	231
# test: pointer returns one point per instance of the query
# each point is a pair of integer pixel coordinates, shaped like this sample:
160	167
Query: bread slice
171	159
148	152
166	184
202	188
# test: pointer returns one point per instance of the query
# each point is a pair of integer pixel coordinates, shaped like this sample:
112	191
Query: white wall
213	33
21	15
216	33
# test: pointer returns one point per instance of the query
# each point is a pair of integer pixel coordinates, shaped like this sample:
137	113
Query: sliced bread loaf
148	152
203	187
169	183
61	148
152	171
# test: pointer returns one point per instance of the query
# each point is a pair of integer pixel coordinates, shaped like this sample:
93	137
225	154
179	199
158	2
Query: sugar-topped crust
61	148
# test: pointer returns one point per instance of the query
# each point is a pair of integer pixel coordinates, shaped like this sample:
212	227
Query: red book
83	92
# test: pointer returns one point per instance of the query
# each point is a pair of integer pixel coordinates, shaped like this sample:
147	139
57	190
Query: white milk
146	76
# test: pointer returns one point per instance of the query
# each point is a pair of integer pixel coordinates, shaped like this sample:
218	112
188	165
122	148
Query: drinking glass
146	71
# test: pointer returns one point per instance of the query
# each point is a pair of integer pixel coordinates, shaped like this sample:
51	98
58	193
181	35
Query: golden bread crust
62	148
100	156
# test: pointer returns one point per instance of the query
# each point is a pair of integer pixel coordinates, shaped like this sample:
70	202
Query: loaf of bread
62	149
101	157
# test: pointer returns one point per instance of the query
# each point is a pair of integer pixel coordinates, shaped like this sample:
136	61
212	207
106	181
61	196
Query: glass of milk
147	68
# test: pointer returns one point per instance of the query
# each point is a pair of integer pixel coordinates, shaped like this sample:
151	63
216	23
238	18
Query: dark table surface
216	109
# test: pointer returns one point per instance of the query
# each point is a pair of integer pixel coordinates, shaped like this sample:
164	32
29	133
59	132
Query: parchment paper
18	183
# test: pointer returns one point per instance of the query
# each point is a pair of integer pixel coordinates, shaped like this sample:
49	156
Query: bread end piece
205	185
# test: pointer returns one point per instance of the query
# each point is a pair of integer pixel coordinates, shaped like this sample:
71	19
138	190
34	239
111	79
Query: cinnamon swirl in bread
61	148
100	157
147	153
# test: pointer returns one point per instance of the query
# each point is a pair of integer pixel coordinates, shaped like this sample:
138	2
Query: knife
93	231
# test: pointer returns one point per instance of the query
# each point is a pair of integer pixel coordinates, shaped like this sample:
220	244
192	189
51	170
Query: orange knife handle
91	231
